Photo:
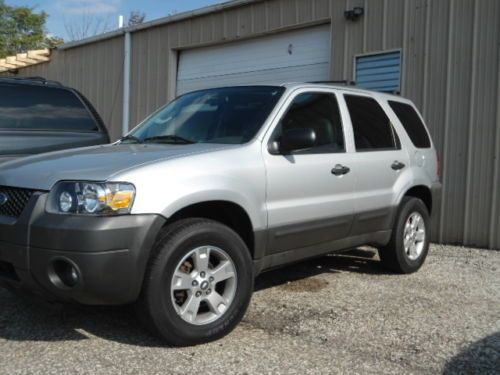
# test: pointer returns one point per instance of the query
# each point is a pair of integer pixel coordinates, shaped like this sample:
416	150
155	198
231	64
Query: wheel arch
421	192
225	212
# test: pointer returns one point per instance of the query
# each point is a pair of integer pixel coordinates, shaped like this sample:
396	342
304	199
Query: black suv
37	115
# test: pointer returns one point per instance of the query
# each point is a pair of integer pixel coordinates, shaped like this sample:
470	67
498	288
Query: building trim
494	220
127	63
160	22
446	130
470	125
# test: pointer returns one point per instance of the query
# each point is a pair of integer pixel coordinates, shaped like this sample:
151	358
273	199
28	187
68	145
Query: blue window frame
379	72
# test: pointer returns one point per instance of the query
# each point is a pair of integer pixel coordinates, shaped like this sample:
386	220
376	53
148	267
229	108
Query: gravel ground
334	315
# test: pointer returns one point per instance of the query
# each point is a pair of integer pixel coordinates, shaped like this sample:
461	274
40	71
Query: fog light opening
64	274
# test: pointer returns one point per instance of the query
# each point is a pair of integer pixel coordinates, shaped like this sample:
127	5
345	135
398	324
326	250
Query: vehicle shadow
359	260
27	319
481	358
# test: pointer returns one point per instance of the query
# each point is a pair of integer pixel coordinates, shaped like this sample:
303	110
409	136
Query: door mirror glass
297	139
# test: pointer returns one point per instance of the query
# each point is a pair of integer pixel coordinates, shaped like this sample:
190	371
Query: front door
310	192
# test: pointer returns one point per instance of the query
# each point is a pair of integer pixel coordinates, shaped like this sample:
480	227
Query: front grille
17	199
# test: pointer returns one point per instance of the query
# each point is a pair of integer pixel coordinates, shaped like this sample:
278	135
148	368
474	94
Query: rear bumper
110	254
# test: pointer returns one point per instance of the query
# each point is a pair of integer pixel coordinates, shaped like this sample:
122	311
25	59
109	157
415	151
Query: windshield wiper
131	138
169	139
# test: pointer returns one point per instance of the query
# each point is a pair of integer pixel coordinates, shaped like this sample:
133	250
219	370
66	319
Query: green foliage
23	29
52	41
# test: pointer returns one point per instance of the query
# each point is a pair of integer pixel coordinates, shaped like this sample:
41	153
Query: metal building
443	54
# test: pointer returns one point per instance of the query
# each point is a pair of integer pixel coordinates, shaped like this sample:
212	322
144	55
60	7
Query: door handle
397	165
340	170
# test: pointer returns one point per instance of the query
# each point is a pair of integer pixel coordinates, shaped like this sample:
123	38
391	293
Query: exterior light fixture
354	14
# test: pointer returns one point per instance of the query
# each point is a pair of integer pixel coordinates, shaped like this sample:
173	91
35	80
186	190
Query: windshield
231	115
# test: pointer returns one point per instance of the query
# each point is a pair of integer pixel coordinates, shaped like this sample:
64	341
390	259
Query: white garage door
295	56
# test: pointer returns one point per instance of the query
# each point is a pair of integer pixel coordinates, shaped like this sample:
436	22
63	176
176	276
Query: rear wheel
198	284
409	244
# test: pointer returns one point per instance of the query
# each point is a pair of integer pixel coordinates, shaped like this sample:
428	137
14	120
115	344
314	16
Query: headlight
91	198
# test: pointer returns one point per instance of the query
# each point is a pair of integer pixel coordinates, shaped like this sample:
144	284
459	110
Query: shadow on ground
362	260
481	358
26	319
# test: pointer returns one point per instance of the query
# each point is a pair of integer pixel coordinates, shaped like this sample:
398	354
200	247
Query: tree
136	18
22	29
87	26
52	41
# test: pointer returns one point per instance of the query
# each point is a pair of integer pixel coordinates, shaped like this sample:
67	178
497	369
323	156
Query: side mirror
297	139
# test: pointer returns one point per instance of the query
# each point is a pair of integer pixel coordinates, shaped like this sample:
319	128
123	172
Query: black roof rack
340	82
41	80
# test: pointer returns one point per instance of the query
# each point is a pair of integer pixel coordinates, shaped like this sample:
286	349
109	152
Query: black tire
155	306
394	256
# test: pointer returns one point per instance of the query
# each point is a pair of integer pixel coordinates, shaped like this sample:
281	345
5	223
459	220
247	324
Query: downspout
126	82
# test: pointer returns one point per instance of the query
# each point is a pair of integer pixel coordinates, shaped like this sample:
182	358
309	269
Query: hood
97	163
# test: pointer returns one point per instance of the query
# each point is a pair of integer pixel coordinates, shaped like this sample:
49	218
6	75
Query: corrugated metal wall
451	69
151	48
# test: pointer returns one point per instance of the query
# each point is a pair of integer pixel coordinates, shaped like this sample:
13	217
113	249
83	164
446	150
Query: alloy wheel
203	285
414	236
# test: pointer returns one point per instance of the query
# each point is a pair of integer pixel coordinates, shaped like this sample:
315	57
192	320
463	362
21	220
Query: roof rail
41	80
340	82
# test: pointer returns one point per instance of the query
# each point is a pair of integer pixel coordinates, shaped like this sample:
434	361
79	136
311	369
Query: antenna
120	21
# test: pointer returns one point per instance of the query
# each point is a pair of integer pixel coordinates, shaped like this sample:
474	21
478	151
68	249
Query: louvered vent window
379	72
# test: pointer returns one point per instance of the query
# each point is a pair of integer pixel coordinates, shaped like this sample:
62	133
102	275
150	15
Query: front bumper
110	253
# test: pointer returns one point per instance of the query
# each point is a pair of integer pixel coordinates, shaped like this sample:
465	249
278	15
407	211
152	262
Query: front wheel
198	284
409	244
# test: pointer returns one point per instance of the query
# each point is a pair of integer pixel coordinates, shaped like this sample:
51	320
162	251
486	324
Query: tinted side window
27	107
372	128
320	112
412	124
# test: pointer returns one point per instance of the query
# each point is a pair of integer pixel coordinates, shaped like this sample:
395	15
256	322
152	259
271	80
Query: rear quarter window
29	107
412	123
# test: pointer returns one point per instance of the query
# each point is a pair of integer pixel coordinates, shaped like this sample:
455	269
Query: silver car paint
234	174
377	184
269	188
97	163
301	188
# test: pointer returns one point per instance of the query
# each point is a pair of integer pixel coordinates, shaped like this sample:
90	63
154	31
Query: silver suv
216	187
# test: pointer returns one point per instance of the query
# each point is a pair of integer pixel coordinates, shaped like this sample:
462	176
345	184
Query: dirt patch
289	320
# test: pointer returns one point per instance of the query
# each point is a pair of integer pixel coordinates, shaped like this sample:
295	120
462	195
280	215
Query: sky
67	12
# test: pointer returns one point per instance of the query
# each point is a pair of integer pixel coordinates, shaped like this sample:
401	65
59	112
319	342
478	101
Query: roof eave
159	22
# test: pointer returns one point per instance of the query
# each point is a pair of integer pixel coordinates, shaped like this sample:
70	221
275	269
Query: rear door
36	119
307	203
380	163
